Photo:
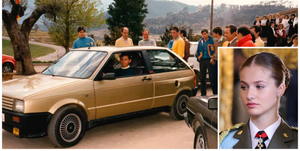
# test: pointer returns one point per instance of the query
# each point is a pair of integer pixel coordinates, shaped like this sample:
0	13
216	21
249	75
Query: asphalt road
156	131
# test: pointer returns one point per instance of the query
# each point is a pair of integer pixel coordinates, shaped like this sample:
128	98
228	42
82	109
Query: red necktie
262	137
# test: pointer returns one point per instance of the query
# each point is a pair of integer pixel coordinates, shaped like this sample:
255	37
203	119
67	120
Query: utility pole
211	16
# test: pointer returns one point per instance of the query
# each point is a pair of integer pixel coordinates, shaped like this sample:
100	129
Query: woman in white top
264	28
286	24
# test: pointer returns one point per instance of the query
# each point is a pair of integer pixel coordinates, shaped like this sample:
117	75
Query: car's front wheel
179	106
7	68
200	141
67	127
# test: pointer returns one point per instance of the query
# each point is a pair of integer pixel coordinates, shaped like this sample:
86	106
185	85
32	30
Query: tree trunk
20	44
20	37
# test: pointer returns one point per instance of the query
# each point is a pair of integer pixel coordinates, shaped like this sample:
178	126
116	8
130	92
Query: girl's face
258	91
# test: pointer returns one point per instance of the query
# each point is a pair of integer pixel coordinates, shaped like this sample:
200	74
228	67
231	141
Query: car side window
164	61
132	64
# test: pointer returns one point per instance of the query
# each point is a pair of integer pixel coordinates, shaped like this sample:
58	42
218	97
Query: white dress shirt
269	130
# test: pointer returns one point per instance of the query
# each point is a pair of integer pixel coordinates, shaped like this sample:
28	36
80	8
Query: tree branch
36	14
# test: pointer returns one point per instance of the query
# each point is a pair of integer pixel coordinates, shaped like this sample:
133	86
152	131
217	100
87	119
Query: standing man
82	40
204	55
244	37
146	41
124	40
271	35
256	31
186	45
230	34
178	44
218	42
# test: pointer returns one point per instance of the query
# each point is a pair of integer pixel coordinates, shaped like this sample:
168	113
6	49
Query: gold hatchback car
89	84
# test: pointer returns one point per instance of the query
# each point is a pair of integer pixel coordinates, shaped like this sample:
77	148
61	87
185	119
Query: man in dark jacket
204	57
271	37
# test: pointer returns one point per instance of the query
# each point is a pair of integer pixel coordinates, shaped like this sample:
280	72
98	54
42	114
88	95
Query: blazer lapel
282	134
244	137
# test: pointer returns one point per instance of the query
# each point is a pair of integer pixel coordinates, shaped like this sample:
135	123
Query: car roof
118	48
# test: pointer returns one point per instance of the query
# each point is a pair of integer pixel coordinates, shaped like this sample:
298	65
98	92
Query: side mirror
109	76
213	104
192	65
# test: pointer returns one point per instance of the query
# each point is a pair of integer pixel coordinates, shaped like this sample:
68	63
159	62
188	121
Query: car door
170	76
124	94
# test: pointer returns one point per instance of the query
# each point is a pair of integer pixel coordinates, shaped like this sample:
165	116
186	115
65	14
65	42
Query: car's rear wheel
200	141
7	68
67	127
179	106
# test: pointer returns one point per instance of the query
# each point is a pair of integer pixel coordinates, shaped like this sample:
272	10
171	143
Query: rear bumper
29	125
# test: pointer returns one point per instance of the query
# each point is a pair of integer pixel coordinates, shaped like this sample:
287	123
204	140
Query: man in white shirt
256	31
146	41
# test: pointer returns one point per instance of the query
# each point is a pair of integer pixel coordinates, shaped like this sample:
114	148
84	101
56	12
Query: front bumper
29	126
188	118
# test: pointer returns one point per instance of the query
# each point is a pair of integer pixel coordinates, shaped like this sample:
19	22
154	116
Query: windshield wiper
51	66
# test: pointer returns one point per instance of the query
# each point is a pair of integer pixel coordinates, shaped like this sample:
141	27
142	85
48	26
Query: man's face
174	34
295	40
125	33
204	35
272	25
146	35
215	35
125	61
239	36
181	35
253	32
228	35
81	34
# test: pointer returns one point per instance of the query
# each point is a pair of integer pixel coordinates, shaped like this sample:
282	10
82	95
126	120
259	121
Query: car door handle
146	79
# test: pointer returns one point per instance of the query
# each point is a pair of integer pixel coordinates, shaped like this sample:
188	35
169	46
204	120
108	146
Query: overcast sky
238	2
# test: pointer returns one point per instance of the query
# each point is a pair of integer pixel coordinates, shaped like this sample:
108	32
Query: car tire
200	141
67	127
179	106
7	68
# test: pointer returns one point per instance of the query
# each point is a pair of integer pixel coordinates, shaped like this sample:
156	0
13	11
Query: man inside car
125	69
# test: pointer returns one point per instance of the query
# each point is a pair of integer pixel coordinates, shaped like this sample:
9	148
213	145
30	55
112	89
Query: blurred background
231	108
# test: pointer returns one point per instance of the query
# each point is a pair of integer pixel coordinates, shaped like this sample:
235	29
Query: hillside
223	15
159	8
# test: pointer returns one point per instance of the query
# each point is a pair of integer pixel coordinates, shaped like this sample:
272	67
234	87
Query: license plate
3	117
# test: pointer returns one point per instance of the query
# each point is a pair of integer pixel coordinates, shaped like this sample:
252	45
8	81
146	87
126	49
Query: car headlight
19	106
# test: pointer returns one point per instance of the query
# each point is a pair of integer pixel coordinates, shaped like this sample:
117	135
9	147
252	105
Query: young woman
295	40
263	78
286	24
264	28
257	21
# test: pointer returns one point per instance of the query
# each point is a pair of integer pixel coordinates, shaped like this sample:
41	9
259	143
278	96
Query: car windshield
76	64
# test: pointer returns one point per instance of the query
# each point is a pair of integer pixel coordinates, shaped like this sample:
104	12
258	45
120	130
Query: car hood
25	86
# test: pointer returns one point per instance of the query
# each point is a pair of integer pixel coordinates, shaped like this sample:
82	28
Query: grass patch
36	51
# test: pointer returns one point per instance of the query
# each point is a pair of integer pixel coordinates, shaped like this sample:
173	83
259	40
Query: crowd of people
265	31
277	30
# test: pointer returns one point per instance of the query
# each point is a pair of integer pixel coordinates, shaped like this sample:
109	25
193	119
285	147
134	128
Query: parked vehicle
74	92
8	64
202	117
